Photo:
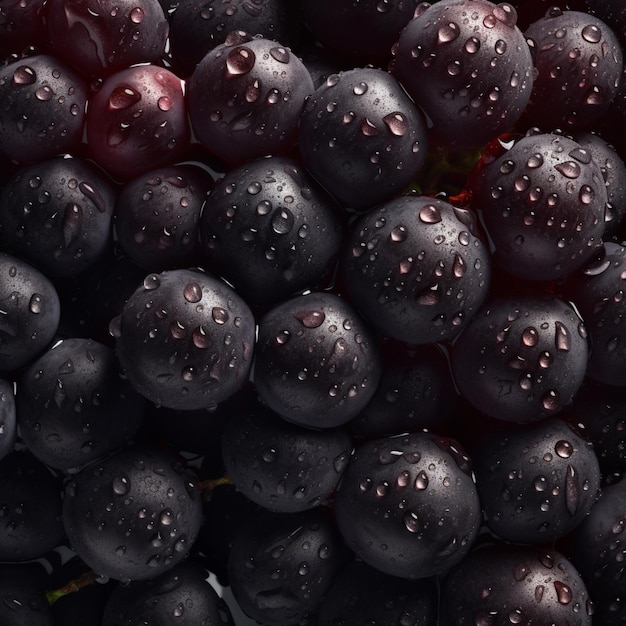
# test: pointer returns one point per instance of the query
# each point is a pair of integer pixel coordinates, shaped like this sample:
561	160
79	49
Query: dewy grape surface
312	313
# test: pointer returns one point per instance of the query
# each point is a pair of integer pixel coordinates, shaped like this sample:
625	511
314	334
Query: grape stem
89	578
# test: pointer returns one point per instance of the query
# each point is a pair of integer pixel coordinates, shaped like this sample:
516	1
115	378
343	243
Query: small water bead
280	54
310	319
472	45
151	282
368	128
563	592
360	88
411	522
123	98
586	194
192	292
569	169
530	336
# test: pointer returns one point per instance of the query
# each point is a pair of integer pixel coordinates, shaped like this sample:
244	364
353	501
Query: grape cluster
312	313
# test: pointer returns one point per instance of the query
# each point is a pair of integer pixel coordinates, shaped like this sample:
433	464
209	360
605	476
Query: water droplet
430	214
192	292
44	93
35	303
120	485
24	75
563	592
282	221
411	522
551	401
591	33
123	97
421	481
564	449
280	54
360	89
530	336
448	33
240	60
569	169
310	319
396	123
368	128
562	338
220	315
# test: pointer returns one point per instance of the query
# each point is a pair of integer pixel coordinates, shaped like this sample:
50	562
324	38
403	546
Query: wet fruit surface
311	313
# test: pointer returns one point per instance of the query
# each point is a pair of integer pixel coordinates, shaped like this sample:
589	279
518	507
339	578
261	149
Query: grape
74	406
501	583
157	215
57	215
270	230
416	268
132	515
137	121
521	359
468	66
30	497
408	505
30	312
579	64
245	98
316	362
543	202
362	137
195	343
104	36
42	108
312	307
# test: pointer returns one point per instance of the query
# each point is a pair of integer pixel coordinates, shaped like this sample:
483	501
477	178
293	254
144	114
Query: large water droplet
240	60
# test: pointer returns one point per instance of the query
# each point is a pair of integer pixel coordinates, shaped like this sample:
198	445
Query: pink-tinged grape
137	121
100	37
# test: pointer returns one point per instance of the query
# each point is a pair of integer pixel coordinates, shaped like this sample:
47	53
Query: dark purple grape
181	596
468	66
597	291
245	98
8	417
74	406
579	65
543	202
601	409
57	215
502	584
362	137
316	361
137	121
198	27
415	392
133	515
185	339
21	24
24	602
597	548
31	312
361	32
100	37
42	108
416	268
361	593
521	359
30	508
157	215
613	171
281	466
282	564
270	230
408	505
536	482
